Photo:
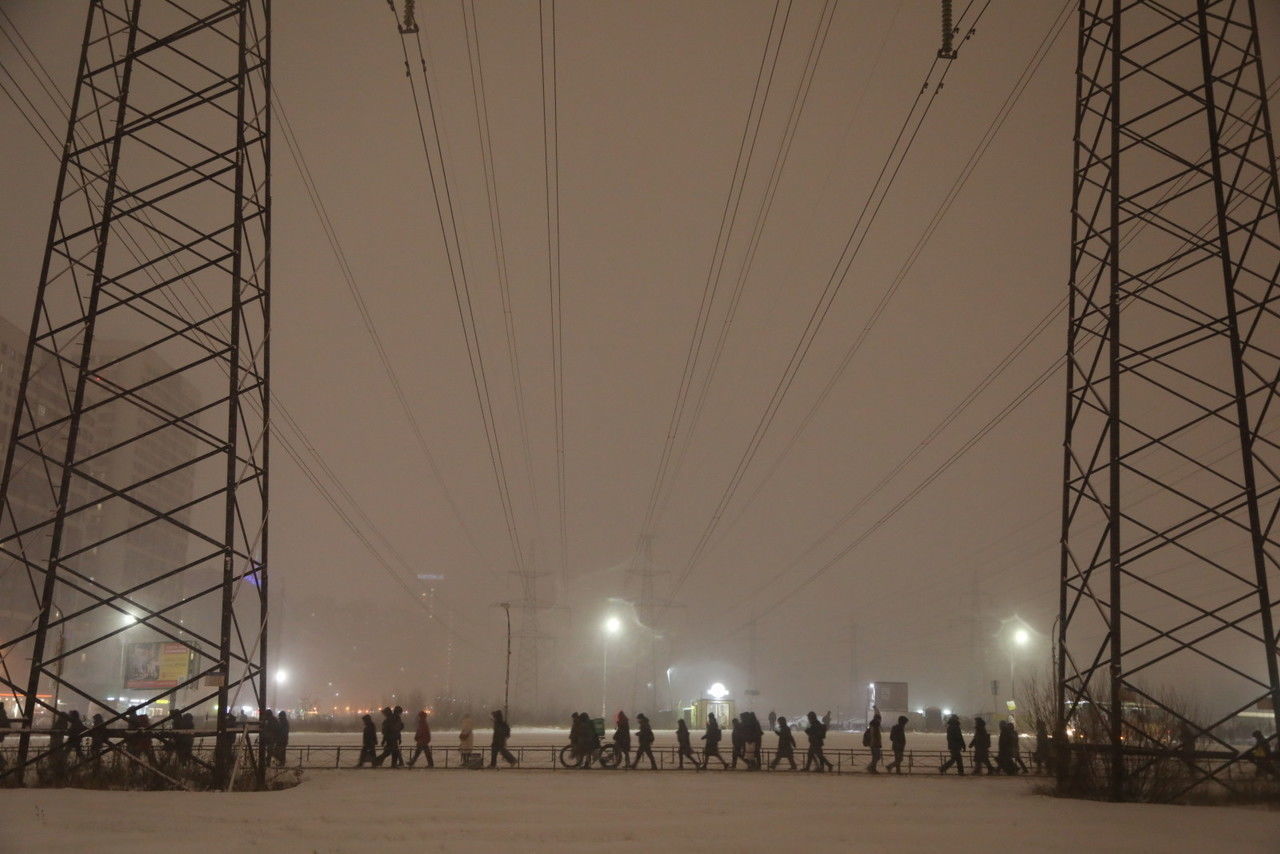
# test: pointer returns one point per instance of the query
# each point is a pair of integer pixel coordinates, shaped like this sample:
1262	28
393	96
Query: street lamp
282	676
612	626
1020	638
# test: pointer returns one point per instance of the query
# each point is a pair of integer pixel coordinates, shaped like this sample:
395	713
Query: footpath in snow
498	811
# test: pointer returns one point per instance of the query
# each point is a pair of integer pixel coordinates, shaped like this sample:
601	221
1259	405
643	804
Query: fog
796	552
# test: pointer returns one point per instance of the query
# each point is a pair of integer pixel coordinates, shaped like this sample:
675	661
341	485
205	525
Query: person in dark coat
622	739
754	740
738	741
773	721
817	734
590	740
390	739
268	734
898	741
368	743
185	744
98	736
712	746
684	749
955	746
876	743
981	744
1042	757
422	740
498	745
1006	747
57	737
786	745
4	725
282	736
644	741
1260	753
75	734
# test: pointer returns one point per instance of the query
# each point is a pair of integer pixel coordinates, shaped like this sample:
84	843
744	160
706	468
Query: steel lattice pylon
133	535
1172	471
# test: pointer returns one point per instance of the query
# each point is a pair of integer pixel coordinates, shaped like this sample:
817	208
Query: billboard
156	664
888	697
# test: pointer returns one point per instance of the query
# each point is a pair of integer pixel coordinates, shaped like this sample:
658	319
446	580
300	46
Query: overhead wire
907	134
442	196
746	146
294	429
551	169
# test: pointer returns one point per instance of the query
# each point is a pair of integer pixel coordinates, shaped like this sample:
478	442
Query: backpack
866	737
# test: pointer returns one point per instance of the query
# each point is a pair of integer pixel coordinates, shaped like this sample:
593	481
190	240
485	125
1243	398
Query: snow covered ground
545	811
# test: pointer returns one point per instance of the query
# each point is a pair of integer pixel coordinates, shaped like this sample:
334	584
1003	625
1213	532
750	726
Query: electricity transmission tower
1172	471
133	499
529	639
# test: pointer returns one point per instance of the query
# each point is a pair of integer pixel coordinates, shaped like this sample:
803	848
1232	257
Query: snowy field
543	811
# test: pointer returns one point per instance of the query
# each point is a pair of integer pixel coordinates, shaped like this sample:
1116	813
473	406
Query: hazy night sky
652	101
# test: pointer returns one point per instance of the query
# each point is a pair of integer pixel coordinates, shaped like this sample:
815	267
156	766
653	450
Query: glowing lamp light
613	625
129	619
282	676
718	691
946	713
1021	637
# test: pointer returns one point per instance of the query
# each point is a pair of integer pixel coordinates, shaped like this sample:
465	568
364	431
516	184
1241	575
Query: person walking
738	742
1042	757
282	736
422	740
368	742
75	734
622	739
817	734
955	746
1006	746
898	741
498	744
786	745
874	741
644	742
684	749
391	728
1260	753
268	735
981	746
466	740
754	733
773	721
1015	748
712	746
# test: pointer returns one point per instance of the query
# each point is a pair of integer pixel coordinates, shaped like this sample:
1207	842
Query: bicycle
607	756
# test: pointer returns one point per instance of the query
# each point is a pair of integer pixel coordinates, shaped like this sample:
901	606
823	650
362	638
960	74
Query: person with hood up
391	728
466	739
738	741
1260	753
1006	744
1041	756
754	733
898	741
282	736
786	745
875	742
75	734
817	734
268	735
422	740
498	744
981	744
644	741
368	743
684	749
712	746
955	746
622	739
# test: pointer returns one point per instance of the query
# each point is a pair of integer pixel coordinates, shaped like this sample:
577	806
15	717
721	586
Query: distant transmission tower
133	499
1172	486
529	639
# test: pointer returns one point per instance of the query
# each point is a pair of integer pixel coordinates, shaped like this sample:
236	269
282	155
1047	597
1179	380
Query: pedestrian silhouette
422	740
955	746
898	741
622	739
786	745
498	746
368	743
981	745
712	747
684	749
817	734
874	741
644	740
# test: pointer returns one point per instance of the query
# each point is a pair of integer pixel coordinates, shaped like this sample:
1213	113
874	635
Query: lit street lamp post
611	627
1021	637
